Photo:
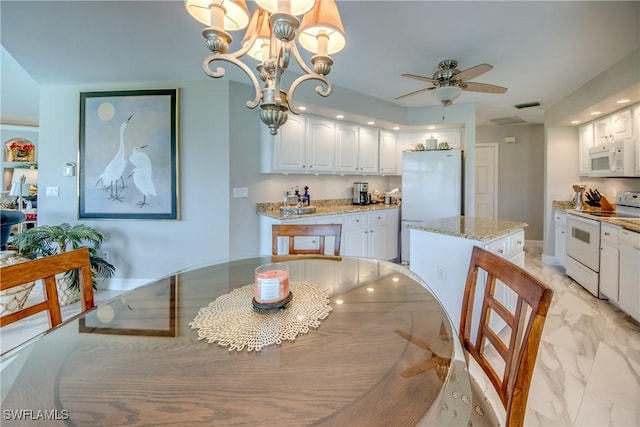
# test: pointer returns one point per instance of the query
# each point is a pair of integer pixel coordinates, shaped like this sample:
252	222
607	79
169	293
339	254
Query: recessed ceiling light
302	108
595	113
371	122
575	122
396	128
623	101
431	127
340	116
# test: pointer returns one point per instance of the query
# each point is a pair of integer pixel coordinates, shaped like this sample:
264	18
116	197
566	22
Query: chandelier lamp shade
446	94
270	38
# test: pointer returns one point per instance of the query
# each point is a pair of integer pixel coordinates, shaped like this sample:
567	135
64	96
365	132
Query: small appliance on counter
577	198
361	194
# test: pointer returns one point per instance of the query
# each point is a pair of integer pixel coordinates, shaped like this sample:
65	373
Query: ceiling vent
527	105
508	120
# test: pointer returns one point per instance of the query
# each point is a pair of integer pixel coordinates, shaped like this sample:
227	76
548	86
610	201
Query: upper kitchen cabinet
586	141
388	153
616	127
302	145
356	149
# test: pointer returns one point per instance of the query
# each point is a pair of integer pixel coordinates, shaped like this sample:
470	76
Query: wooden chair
519	353
46	269
317	249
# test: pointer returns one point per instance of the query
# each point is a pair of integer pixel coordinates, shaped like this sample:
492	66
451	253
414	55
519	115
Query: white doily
232	321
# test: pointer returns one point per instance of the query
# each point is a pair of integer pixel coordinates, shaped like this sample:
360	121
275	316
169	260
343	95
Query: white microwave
612	159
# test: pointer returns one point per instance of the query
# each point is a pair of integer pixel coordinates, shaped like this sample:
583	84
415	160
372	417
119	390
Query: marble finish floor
588	367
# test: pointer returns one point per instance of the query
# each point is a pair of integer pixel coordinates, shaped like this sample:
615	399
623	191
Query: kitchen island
441	249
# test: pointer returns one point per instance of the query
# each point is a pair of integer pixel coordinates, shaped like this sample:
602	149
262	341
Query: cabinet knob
304	166
372	231
606	233
500	251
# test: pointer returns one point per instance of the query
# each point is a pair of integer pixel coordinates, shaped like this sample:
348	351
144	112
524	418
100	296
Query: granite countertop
627	223
323	207
483	229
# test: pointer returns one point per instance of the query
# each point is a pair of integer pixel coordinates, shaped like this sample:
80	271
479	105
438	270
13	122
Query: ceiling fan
448	82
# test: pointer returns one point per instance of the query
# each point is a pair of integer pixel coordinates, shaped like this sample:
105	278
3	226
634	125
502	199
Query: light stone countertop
323	207
627	223
483	229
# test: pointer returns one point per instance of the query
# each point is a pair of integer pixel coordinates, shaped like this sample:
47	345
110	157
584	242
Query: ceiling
541	51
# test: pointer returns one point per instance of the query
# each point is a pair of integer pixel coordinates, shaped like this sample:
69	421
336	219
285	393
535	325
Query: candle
271	283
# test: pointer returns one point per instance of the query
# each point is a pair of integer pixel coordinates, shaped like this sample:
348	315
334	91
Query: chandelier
270	38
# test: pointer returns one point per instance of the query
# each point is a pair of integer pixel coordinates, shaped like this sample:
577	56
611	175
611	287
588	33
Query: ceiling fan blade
415	92
473	72
482	87
422	78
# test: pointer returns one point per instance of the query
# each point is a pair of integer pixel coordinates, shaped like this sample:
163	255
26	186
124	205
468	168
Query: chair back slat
291	231
46	269
525	325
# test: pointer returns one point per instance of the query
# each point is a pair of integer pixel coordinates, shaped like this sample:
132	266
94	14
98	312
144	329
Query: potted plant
48	240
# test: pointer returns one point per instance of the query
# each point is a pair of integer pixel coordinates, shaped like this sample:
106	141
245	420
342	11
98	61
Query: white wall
142	249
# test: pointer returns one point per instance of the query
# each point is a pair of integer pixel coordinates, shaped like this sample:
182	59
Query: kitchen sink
297	211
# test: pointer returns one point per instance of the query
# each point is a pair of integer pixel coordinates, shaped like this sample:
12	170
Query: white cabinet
609	261
367	150
372	234
586	141
303	145
636	137
365	235
629	289
616	127
560	223
356	149
388	154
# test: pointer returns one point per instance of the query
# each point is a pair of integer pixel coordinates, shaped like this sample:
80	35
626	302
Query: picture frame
128	155
150	311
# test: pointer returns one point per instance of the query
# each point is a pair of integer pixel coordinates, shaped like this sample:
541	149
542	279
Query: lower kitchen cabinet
610	262
372	234
629	290
560	224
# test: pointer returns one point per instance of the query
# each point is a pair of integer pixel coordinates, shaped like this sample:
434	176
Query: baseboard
549	260
533	244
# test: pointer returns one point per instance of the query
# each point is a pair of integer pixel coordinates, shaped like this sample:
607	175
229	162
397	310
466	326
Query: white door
486	204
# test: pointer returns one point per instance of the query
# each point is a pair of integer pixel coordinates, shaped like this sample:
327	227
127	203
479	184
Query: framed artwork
128	166
149	311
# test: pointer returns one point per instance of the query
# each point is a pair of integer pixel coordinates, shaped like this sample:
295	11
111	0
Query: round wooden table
386	355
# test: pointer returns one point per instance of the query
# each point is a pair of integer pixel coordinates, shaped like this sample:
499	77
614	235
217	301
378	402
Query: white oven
612	159
583	252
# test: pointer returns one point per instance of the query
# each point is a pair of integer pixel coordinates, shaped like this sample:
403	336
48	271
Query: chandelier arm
219	72
319	90
299	60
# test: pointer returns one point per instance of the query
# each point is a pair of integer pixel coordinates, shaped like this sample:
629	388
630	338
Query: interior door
486	200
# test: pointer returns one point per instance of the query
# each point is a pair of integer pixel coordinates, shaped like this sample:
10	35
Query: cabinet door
289	145
376	243
346	148
453	138
388	153
602	130
586	141
636	137
609	267
621	125
355	241
629	291
320	145
561	245
368	150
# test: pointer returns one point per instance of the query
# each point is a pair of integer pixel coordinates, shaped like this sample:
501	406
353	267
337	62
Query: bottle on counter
306	198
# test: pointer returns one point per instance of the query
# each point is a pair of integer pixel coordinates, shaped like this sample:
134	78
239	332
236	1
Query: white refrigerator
431	189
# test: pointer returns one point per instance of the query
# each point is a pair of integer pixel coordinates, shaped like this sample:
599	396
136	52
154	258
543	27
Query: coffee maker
361	193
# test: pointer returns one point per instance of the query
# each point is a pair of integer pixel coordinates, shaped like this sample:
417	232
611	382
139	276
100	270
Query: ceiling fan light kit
449	82
271	39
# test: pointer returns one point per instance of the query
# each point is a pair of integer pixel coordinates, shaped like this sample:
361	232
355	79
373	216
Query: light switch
52	191
240	192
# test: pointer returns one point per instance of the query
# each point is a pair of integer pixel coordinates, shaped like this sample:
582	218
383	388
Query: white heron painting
128	154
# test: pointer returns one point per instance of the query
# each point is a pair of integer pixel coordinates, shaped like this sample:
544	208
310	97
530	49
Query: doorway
486	197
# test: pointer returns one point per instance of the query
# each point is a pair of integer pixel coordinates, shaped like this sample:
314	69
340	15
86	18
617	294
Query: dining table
372	347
